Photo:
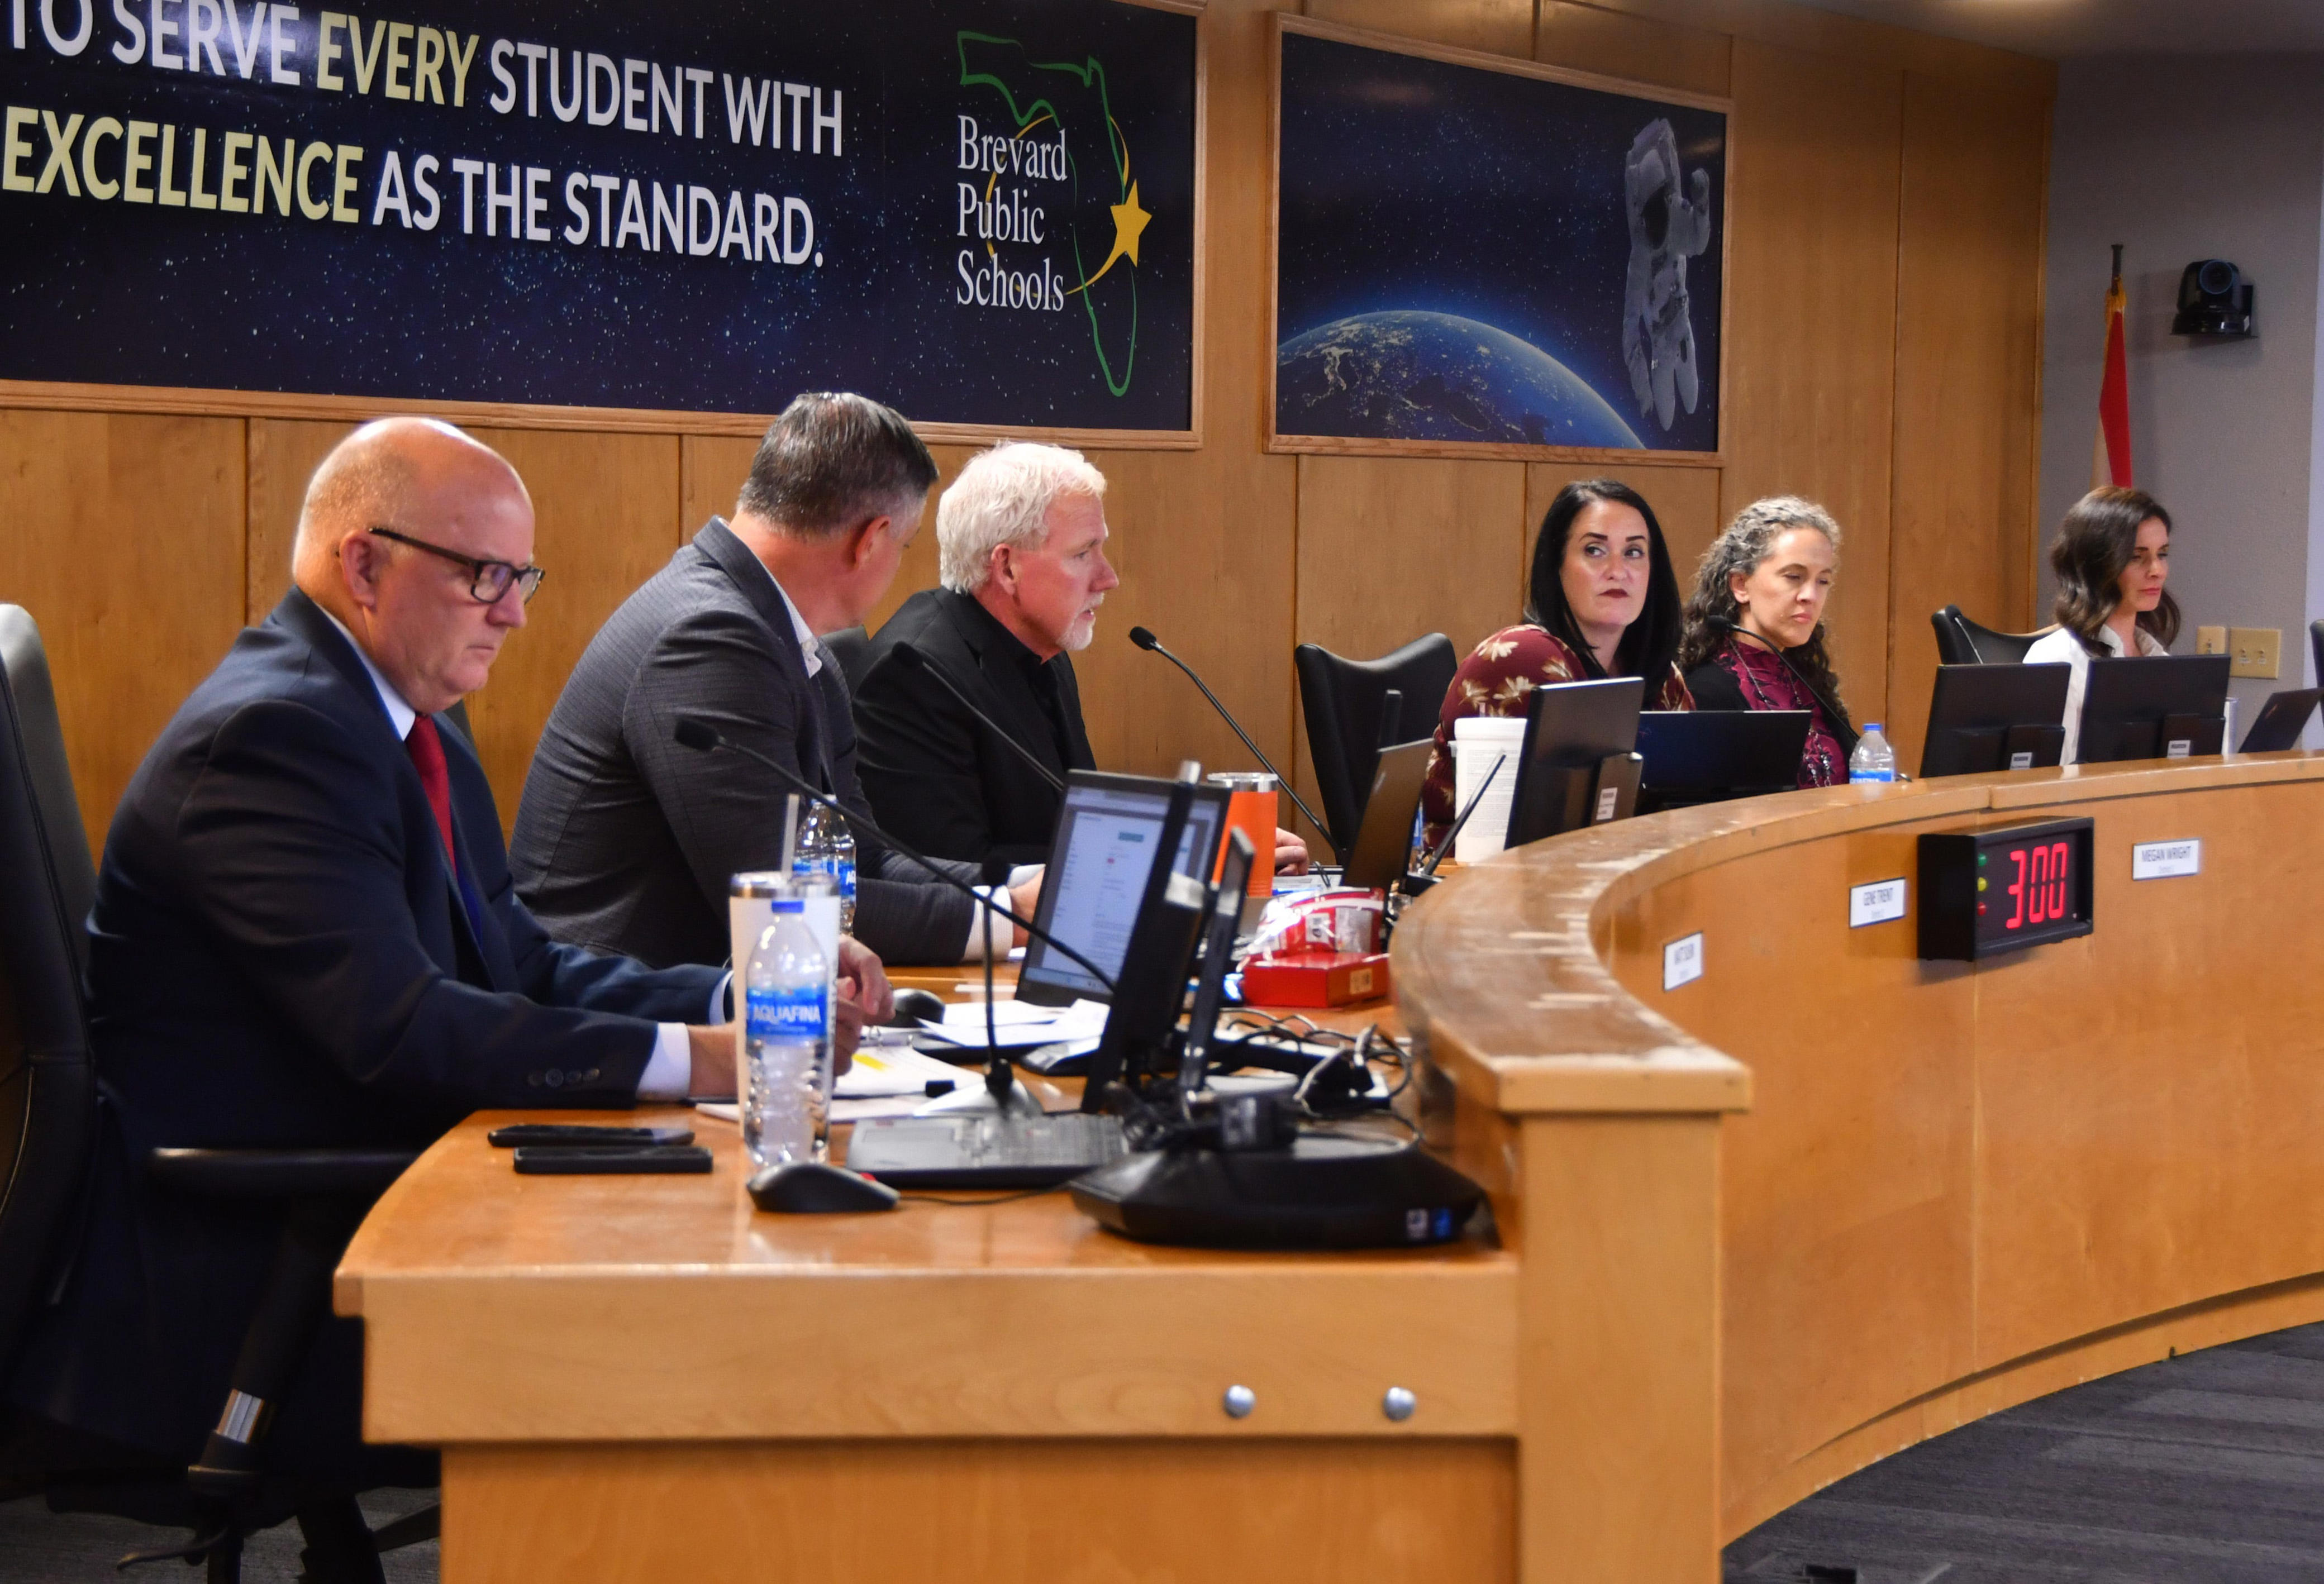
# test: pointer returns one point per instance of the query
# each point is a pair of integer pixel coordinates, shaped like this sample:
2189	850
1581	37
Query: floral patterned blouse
1495	680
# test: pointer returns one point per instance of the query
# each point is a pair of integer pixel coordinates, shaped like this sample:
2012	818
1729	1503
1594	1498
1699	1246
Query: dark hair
1650	641
2095	544
834	459
1712	613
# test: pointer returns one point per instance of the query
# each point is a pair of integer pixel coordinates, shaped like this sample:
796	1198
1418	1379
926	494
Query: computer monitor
1572	730
1099	858
1986	719
1151	985
2281	720
1382	850
1707	756
2166	707
1218	956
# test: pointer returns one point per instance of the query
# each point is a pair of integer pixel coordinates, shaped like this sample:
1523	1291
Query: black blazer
277	957
626	841
935	774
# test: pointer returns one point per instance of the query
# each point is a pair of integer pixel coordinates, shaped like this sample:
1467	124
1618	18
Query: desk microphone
1144	639
1735	629
912	659
699	734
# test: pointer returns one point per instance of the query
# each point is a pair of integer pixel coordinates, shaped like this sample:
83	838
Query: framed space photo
1482	256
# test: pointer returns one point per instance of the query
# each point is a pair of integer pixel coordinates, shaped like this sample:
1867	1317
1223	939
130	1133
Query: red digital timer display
1987	891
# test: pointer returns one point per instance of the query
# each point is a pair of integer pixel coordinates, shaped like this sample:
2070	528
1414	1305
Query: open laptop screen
1099	862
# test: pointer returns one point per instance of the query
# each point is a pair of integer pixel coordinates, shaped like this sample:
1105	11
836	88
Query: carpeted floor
41	1547
2209	1468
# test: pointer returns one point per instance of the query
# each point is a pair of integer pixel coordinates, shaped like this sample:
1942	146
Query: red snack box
1314	979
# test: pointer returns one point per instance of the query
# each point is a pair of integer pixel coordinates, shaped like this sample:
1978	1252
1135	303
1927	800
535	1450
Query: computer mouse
806	1188
914	1006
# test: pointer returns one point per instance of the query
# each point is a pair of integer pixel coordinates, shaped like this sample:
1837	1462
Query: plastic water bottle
826	847
786	1050
1873	760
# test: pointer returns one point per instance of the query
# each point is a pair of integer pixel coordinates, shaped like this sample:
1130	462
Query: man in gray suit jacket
624	840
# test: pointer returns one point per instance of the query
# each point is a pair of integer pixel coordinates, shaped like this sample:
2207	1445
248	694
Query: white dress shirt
2062	647
670	1070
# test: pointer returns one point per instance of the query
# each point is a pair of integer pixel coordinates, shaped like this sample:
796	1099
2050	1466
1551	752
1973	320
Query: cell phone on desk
585	1133
562	1160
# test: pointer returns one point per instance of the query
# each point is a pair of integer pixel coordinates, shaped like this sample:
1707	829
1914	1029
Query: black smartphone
571	1133
609	1160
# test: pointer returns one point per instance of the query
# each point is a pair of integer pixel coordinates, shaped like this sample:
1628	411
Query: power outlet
2210	641
2254	652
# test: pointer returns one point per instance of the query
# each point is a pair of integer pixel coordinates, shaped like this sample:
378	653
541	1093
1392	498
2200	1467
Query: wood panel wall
1883	332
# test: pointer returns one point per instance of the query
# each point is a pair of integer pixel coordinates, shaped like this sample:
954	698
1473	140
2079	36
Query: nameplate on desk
1682	961
2160	861
2023	760
1878	903
2180	748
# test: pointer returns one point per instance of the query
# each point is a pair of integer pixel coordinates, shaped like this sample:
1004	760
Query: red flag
2110	457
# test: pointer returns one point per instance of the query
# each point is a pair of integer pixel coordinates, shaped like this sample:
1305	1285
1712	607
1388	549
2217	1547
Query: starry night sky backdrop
109	292
1415	184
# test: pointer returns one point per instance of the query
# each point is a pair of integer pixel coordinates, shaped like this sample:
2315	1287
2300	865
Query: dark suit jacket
626	841
935	774
277	957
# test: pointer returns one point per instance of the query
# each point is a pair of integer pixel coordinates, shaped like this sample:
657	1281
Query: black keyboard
983	1151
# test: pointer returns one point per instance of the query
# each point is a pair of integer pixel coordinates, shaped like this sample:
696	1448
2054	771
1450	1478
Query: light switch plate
2210	641
2253	650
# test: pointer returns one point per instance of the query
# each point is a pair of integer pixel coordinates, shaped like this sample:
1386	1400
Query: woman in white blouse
2112	557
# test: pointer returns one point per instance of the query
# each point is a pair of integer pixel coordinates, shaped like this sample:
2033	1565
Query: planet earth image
1406	374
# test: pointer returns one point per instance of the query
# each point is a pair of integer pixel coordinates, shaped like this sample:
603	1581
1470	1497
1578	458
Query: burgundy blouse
1495	680
1767	684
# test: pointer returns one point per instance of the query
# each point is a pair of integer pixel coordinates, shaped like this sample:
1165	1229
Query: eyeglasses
490	580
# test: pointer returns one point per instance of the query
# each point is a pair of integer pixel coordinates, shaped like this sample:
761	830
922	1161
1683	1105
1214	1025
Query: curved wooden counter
1827	1200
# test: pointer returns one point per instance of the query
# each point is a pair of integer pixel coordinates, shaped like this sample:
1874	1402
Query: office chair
50	1100
2316	646
1964	642
1348	721
851	648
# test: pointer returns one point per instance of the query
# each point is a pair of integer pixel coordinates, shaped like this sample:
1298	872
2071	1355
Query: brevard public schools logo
1044	173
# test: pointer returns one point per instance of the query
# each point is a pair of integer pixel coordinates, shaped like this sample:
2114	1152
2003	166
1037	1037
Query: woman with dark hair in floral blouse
1603	601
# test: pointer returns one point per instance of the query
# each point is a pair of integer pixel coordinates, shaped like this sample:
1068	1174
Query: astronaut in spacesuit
1666	228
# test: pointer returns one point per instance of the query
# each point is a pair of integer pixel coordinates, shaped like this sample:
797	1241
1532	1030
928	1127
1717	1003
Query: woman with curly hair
1603	601
1755	637
2112	556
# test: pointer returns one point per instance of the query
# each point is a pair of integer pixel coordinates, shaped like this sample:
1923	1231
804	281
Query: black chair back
851	648
1343	700
48	1082
1964	642
2315	647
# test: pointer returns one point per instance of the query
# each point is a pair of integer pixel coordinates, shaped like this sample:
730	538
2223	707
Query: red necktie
427	751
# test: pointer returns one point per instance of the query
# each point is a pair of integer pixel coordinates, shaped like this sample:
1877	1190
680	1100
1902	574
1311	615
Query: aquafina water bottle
1873	760
827	847
786	1050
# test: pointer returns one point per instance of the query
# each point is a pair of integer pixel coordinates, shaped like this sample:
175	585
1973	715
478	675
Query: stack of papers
1017	1024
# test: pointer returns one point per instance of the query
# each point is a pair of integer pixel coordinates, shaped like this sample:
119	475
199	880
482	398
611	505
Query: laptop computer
1707	756
2281	720
1382	850
1100	859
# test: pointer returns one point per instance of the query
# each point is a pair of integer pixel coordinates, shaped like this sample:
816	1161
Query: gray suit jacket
626	841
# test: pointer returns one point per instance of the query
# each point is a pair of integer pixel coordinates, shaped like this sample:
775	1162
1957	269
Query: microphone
1144	639
912	659
1735	629
693	731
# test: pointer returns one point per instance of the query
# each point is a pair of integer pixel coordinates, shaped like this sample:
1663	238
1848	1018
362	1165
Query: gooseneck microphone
912	659
1144	639
692	732
1736	630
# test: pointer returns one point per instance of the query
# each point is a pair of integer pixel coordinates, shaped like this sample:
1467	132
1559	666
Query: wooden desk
1754	1232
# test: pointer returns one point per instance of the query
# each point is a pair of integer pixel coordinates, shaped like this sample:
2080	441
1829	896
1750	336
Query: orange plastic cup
1251	810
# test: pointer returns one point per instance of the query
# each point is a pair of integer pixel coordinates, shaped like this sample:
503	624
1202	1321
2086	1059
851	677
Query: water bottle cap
788	905
1872	725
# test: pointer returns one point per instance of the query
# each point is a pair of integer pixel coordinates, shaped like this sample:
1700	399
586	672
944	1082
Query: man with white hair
1020	544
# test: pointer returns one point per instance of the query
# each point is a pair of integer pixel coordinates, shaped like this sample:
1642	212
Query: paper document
1019	1023
897	1070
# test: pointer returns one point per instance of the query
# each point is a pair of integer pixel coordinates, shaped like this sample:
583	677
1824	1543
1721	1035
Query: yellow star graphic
1129	225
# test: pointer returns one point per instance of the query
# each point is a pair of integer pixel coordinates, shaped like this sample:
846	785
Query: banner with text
980	211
